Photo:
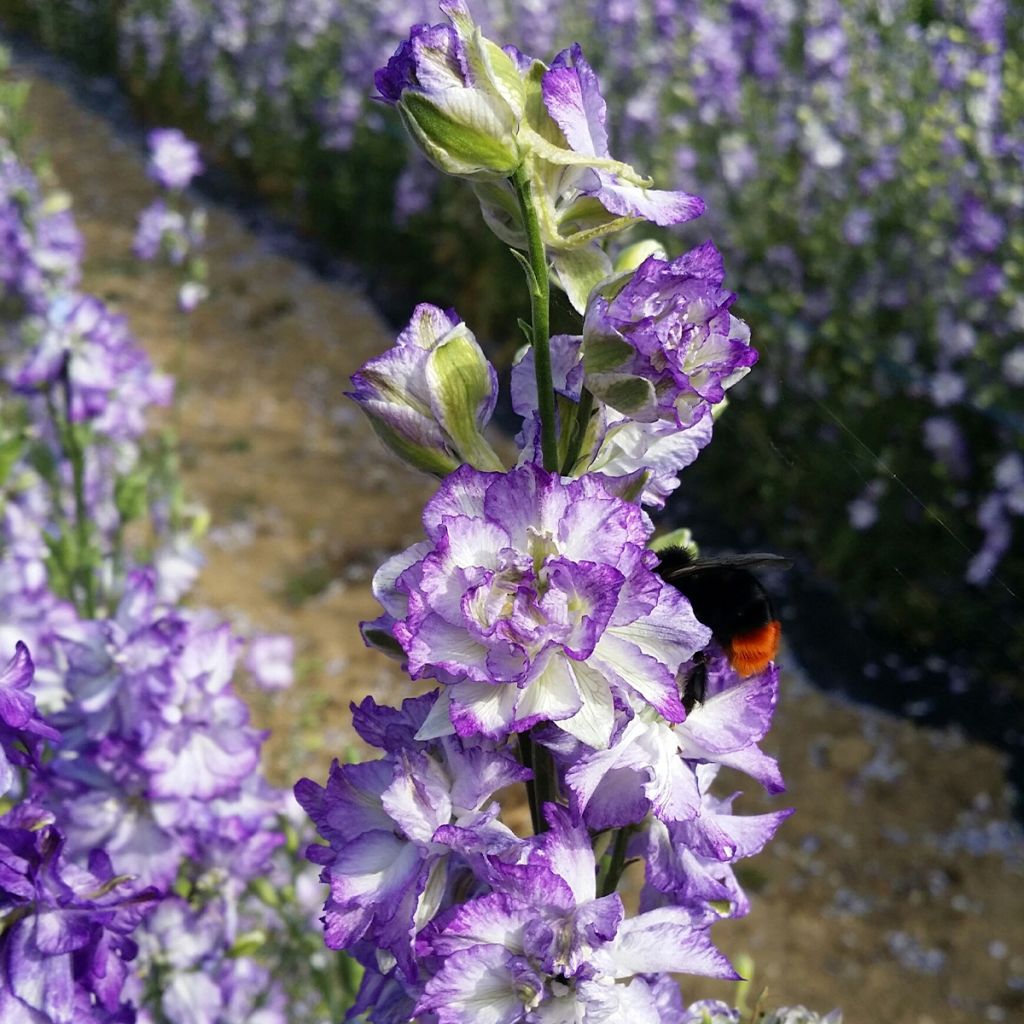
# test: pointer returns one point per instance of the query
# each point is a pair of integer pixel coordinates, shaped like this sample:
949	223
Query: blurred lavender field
861	164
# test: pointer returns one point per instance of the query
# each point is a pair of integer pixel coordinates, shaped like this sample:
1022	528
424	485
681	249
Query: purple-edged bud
663	345
430	396
460	96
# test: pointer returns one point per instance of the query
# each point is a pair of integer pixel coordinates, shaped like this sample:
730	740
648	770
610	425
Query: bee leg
696	686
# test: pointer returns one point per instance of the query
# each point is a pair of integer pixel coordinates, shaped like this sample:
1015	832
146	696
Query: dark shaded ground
897	889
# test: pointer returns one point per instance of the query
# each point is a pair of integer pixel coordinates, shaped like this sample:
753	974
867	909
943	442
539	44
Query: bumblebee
731	601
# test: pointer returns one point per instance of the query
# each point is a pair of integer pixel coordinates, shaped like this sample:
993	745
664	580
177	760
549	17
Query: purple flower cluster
79	341
173	159
22	731
140	812
163	229
67	939
618	446
535	600
796	118
41	244
471	916
666	346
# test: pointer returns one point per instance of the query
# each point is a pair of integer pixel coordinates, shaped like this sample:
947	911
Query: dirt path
896	891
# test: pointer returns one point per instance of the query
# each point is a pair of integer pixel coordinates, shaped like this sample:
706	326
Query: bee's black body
726	596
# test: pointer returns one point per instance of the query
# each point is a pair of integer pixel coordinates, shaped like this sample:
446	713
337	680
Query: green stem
618	861
582	422
546	780
539	305
76	457
526	756
543	788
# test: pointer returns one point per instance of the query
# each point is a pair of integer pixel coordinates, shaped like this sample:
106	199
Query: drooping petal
481	985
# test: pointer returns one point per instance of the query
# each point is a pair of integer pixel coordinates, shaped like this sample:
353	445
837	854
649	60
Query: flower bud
430	396
460	96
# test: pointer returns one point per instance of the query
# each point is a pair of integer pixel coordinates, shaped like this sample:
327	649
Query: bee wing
752	560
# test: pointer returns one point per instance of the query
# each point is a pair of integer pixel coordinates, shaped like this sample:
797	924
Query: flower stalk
539	305
616	861
542	788
579	431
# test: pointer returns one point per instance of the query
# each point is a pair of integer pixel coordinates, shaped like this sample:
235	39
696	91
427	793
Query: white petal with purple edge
623	661
592	724
438	722
664	940
552	695
490	920
733	718
418	798
661	207
612	1003
384	578
483	708
377	865
567	851
441	643
474	986
462	494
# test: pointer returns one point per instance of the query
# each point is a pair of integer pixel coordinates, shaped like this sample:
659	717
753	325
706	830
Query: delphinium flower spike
533	602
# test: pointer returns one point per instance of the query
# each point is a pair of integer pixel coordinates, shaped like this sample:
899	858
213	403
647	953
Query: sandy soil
897	889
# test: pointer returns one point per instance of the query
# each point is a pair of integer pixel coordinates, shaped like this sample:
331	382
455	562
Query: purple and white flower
21	729
460	96
689	863
173	158
65	947
613	444
534	599
544	938
663	345
390	825
270	660
572	97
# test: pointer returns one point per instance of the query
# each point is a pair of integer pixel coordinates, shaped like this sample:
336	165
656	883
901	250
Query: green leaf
248	943
579	272
565	157
531	278
265	892
605	354
10	451
130	494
